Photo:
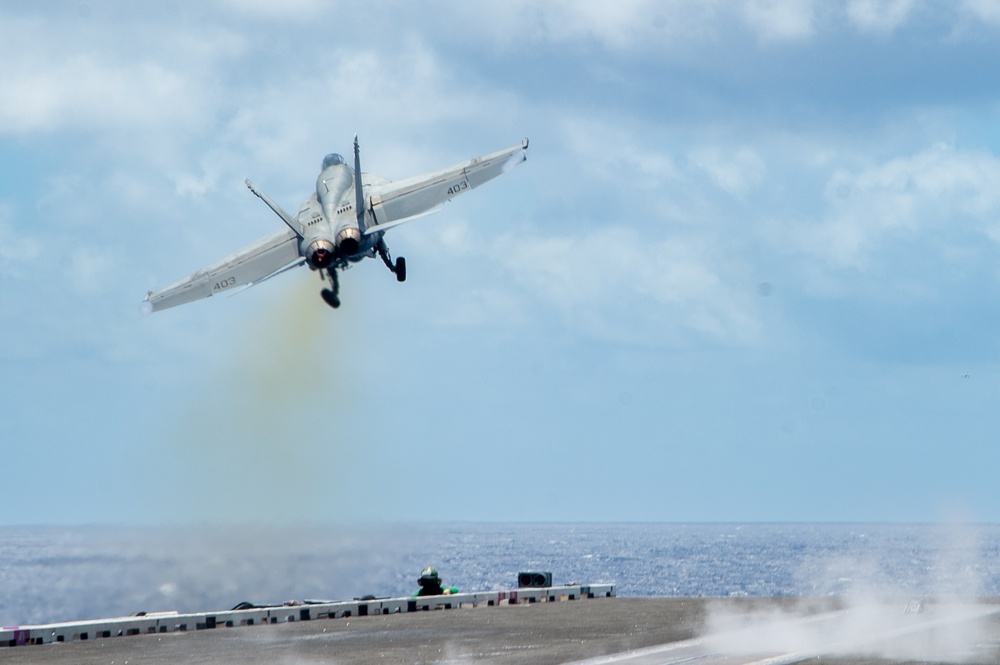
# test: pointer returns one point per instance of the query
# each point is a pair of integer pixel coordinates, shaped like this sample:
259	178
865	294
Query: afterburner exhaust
348	240
320	253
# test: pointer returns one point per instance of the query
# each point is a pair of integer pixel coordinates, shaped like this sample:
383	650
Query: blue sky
750	271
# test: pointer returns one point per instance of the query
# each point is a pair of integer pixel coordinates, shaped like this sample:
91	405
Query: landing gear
330	296
398	268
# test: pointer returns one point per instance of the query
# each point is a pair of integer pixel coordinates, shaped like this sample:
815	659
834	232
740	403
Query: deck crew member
430	584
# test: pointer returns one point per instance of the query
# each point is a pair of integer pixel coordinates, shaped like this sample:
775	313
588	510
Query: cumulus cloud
982	10
674	27
780	20
879	16
624	26
18	252
83	91
615	284
286	10
610	153
940	189
88	269
73	75
635	26
735	173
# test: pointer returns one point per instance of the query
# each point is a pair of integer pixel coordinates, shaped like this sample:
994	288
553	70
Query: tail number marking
458	187
224	284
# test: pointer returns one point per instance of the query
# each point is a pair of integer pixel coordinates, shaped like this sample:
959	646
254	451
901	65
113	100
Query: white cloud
62	75
635	26
987	11
287	10
410	85
780	20
18	252
404	102
613	283
939	190
735	173
88	269
879	16
83	92
622	26
609	153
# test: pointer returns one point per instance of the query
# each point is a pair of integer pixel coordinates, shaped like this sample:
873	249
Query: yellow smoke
269	430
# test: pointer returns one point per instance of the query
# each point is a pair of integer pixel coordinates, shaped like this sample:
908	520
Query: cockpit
333	159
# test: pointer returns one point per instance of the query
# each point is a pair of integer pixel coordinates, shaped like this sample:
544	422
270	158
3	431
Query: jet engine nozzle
348	240
320	253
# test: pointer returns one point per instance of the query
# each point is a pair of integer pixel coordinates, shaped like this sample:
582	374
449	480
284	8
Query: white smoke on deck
867	616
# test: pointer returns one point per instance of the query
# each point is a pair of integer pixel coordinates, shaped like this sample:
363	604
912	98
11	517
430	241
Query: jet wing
252	264
393	203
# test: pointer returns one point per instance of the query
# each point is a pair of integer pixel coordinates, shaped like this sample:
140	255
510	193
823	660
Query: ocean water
52	574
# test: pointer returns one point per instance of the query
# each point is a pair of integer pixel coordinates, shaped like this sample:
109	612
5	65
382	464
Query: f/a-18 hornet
341	224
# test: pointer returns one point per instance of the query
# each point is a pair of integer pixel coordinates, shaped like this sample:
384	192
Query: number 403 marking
458	187
224	284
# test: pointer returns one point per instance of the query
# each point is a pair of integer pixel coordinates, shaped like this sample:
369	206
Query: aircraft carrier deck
534	630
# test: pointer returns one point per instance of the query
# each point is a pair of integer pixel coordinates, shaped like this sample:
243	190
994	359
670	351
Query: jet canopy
333	159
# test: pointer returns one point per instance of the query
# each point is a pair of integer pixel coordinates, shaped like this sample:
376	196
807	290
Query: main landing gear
398	268
331	295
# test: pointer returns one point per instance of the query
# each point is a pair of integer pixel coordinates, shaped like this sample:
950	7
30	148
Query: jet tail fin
359	197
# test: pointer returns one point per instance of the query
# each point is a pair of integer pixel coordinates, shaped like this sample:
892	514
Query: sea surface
50	574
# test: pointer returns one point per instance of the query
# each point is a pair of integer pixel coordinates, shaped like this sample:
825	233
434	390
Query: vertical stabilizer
359	197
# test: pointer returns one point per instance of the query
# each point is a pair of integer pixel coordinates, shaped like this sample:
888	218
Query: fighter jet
342	223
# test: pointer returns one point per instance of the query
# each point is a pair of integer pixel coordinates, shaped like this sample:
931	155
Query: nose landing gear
330	296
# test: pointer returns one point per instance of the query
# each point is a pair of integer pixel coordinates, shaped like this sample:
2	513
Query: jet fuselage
332	232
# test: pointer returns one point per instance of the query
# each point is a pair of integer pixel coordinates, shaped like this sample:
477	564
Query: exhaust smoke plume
270	426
